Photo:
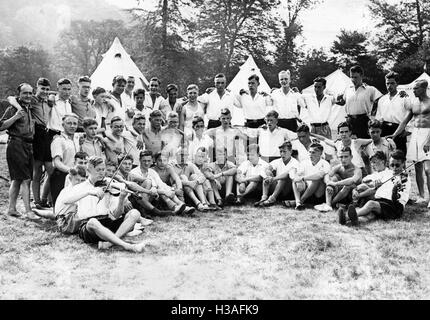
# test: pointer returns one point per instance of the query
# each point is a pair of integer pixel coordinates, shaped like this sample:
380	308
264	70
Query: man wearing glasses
218	99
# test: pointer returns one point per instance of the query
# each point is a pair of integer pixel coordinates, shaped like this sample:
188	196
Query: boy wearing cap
278	176
249	176
309	180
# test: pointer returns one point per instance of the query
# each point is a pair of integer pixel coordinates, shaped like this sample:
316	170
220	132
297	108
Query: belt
28	140
357	116
319	124
254	120
41	126
388	123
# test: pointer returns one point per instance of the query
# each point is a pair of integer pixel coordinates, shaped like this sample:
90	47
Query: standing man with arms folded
392	109
358	100
419	144
19	152
287	103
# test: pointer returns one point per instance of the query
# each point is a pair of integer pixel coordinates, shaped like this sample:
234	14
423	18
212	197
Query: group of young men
109	163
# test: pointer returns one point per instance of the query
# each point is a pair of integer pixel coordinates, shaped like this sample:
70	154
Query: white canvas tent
240	81
116	61
408	87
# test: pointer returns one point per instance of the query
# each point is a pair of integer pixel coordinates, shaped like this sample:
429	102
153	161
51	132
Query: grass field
239	253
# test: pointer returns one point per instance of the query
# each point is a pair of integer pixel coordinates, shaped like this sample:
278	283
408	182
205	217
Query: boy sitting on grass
390	197
249	176
278	176
365	191
221	176
309	181
340	181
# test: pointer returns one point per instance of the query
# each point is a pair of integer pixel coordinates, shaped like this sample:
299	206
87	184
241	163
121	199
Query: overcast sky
321	24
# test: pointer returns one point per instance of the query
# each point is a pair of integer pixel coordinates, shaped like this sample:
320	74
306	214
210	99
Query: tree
316	63
351	48
22	64
287	53
401	36
79	48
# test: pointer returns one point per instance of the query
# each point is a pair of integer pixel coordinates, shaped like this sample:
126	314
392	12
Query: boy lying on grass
308	183
390	197
340	181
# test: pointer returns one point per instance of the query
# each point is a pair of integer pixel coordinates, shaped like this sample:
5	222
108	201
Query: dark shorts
19	156
90	237
213	124
290	124
42	144
389	210
359	125
254	123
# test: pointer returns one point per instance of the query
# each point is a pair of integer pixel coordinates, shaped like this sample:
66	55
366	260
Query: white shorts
419	138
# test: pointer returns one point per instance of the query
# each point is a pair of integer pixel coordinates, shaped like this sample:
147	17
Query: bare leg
419	178
215	190
310	190
342	194
281	186
46	185
250	188
228	185
370	207
190	193
25	187
427	173
14	188
296	193
37	176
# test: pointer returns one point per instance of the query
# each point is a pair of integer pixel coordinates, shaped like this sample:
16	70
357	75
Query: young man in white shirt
390	197
115	100
393	107
129	104
287	102
102	214
278	176
249	176
60	107
308	183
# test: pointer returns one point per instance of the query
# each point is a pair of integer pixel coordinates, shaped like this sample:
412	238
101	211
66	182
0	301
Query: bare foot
30	215
14	213
104	245
145	222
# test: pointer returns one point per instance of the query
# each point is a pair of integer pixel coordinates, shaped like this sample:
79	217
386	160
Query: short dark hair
379	155
21	85
109	164
225	111
220	75
356	69
81	155
202	149
117	79
254	77
114	119
84	79
344	125
95	161
197	120
321	80
286	144
303	128
63	81
375	124
155	79
97	91
157	156
272	113
138	91
127	157
155	113
78	170
398	155
145	153
89	122
138	116
346	149
392	75
171	86
317	146
43	82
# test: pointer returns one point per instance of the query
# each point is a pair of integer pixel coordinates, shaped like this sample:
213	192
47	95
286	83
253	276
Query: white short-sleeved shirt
64	148
152	175
357	160
385	191
392	110
319	112
269	141
215	103
280	167
249	170
287	104
306	167
205	141
360	100
118	109
253	107
58	110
